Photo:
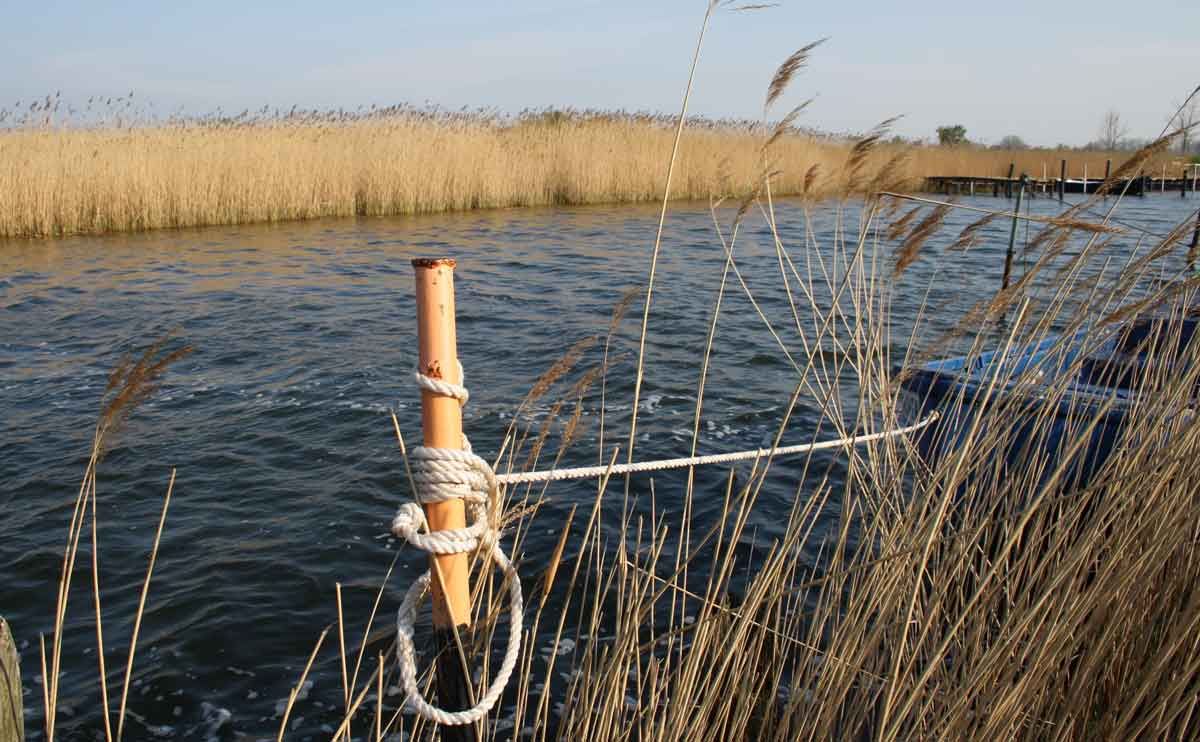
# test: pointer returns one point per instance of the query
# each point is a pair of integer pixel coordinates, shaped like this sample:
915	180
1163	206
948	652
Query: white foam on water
651	403
281	704
565	646
214	718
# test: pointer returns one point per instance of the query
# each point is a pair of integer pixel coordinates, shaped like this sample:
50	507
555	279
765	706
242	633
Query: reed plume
93	176
787	70
967	237
908	251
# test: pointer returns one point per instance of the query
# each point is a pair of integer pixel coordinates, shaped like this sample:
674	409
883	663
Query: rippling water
288	470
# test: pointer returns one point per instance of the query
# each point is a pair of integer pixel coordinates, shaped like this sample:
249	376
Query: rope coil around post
442	474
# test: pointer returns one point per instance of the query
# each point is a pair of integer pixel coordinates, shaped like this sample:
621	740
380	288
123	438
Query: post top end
450	263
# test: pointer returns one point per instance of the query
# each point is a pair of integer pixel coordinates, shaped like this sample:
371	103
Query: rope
591	472
441	474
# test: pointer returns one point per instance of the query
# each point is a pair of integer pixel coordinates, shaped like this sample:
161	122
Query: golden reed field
62	180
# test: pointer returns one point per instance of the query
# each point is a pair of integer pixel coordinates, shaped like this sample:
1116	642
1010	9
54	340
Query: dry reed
999	591
61	180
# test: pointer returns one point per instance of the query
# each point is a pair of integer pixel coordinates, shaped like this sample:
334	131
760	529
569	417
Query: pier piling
441	422
1191	253
1062	181
1012	235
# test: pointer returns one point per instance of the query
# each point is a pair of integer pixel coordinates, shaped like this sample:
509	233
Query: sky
1045	71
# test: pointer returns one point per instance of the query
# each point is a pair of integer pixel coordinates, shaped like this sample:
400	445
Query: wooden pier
966	185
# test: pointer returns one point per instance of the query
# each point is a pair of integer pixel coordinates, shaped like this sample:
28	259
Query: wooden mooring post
1008	185
12	712
1062	181
1012	235
441	422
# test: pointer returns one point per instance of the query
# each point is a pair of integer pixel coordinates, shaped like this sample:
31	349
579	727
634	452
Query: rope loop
439	475
443	388
406	651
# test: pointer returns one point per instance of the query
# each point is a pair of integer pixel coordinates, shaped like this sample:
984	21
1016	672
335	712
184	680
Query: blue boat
1054	391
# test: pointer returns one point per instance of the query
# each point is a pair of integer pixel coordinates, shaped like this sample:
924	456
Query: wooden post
441	421
1183	184
1195	172
1008	185
12	714
1195	243
1062	181
1107	169
1012	237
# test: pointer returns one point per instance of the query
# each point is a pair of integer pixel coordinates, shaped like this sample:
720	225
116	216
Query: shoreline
61	182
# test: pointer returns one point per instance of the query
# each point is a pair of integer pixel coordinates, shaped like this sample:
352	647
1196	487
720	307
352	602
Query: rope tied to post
442	474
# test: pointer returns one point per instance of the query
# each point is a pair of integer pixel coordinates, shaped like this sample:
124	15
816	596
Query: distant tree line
1112	136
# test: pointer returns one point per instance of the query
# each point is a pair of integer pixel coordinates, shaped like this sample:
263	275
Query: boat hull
1060	437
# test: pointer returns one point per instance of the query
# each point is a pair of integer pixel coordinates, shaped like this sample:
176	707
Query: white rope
442	474
591	472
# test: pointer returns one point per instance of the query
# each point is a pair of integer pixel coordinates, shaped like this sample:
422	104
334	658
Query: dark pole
1183	184
1012	237
1008	185
1107	172
1062	181
1195	243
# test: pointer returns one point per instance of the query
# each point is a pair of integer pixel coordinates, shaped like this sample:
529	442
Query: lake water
278	425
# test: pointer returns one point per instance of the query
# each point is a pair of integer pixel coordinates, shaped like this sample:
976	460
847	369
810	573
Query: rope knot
439	475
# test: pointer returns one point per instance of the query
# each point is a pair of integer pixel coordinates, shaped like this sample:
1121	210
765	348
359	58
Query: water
288	470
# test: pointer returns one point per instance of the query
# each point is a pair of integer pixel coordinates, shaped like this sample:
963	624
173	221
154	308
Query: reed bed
997	593
1000	591
59	178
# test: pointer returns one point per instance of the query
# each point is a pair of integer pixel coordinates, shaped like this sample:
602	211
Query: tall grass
991	593
59	178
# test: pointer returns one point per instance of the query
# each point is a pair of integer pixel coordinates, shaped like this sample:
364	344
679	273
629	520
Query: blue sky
1046	71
